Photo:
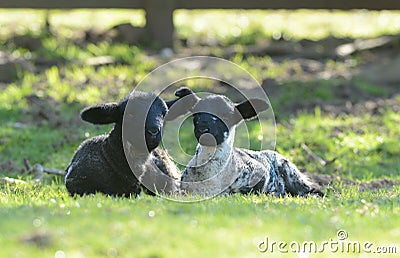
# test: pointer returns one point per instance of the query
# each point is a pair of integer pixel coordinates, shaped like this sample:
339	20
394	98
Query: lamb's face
143	113
213	118
154	123
146	113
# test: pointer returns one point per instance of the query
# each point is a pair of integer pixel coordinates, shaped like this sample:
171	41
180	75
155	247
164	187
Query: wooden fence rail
159	13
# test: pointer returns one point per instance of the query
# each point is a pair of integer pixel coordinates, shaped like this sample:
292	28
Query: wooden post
159	21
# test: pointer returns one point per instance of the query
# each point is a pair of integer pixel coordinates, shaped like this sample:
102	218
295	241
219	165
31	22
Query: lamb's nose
204	129
201	125
153	131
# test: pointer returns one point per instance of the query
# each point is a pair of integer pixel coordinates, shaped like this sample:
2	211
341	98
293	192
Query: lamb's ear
102	114
183	104
184	91
250	108
180	93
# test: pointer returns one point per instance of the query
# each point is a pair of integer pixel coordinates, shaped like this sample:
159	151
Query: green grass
363	145
246	27
41	220
240	26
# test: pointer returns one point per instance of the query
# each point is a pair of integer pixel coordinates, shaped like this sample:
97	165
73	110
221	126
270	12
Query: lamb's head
215	116
146	107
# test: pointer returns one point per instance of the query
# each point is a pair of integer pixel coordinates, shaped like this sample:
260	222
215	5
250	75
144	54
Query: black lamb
100	163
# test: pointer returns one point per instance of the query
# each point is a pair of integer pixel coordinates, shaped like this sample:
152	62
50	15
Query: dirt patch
372	106
47	111
38	238
29	42
325	181
11	166
342	76
339	107
44	110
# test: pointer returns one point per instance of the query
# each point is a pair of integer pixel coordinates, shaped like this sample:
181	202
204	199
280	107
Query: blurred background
333	79
321	62
327	54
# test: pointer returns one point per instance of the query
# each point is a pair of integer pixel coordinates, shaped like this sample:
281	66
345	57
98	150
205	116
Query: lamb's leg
296	182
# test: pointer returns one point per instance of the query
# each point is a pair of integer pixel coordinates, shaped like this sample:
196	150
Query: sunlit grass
244	26
150	226
288	24
41	220
67	22
363	148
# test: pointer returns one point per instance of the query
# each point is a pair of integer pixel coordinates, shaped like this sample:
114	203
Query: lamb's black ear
250	108
180	93
102	114
183	91
183	104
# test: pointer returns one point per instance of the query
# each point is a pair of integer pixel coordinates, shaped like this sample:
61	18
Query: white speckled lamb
218	168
